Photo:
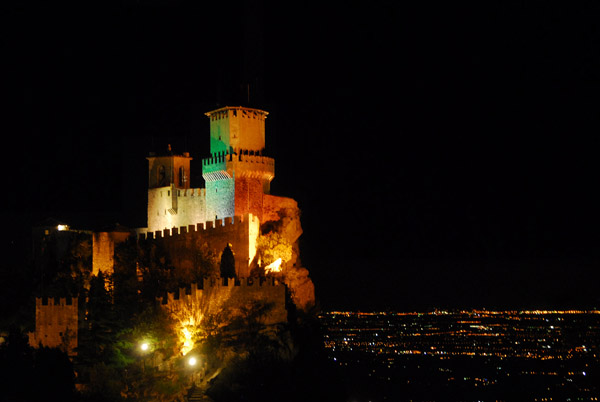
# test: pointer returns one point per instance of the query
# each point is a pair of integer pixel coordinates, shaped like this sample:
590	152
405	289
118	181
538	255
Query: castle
228	213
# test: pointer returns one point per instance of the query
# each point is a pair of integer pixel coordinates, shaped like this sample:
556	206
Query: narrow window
182	178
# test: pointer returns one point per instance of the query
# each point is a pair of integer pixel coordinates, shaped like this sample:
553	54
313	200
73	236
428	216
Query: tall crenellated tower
237	174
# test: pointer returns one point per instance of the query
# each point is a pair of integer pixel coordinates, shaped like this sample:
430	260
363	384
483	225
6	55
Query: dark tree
96	336
125	279
53	375
227	263
16	366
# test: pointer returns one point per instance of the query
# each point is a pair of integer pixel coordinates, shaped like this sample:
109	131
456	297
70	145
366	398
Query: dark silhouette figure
227	263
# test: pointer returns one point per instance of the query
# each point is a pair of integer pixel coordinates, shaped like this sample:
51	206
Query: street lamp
145	349
192	361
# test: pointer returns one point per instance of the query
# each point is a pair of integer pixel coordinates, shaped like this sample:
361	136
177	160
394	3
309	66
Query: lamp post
192	363
144	348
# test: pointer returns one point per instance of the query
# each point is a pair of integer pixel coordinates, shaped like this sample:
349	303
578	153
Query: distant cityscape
539	355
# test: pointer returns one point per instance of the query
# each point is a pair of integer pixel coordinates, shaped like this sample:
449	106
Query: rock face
301	286
285	222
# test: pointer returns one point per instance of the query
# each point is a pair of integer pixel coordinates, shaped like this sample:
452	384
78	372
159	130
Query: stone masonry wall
220	294
190	206
56	324
182	243
249	196
103	250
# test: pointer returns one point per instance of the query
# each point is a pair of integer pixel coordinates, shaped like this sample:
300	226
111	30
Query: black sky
443	154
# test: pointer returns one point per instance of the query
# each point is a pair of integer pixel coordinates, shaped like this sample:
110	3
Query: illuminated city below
538	355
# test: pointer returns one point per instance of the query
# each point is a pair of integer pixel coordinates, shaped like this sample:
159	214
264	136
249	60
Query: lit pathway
198	395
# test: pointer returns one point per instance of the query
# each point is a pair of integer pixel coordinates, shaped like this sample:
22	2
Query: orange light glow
275	266
186	334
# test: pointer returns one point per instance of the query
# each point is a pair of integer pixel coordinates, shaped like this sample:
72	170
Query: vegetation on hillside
238	356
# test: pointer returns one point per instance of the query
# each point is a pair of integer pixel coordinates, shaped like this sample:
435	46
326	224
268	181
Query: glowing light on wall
185	336
253	233
60	228
275	266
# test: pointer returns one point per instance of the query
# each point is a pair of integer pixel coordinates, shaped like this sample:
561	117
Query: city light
459	345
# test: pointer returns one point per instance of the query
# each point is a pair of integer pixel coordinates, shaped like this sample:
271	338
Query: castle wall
236	183
191	206
56	324
170	207
249	196
182	243
220	196
103	250
219	294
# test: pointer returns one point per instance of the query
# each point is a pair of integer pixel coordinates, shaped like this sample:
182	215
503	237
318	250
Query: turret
237	128
168	186
237	174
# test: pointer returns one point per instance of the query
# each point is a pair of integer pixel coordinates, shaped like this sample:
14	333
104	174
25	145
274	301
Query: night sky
443	154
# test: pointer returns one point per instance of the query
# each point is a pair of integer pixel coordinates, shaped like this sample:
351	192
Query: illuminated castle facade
228	211
237	174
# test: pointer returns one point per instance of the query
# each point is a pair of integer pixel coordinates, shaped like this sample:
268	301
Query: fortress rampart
56	324
242	162
170	206
182	221
233	295
182	243
238	155
103	250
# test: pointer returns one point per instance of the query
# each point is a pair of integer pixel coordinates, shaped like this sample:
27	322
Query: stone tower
237	174
168	176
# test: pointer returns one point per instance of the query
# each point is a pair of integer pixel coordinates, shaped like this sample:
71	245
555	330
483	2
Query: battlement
215	162
237	127
144	234
236	111
242	162
237	155
55	301
217	283
56	323
227	294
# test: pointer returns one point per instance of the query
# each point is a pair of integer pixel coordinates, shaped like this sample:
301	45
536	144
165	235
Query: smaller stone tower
169	169
56	324
237	174
168	175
